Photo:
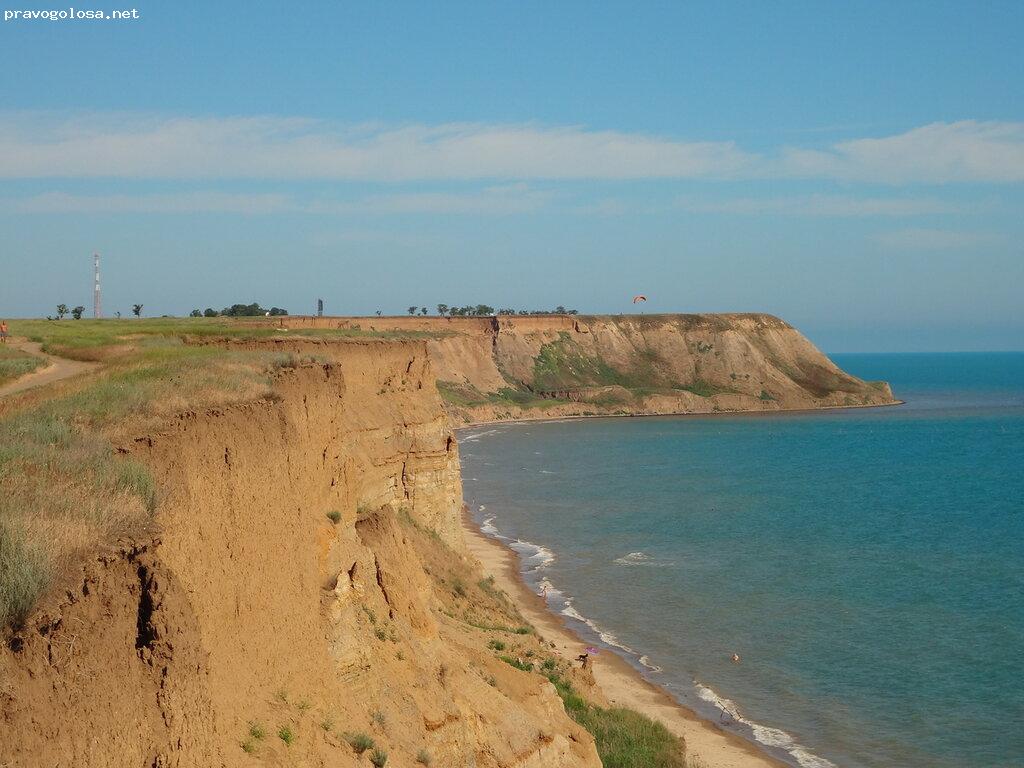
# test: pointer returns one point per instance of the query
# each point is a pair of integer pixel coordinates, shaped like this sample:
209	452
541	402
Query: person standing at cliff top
3	331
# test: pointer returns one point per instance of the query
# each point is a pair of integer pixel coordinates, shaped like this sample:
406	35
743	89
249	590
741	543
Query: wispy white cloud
175	202
497	200
913	239
288	148
939	153
837	206
131	146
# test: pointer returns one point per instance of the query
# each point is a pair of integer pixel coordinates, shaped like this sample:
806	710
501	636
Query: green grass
379	758
562	364
702	388
286	734
359	742
468	396
15	363
423	757
525	666
334	516
83	339
461	395
624	738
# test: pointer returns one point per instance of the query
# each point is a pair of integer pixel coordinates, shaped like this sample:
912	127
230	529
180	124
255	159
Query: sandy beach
707	745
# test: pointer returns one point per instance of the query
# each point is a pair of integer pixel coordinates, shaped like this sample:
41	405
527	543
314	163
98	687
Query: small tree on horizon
77	312
412	310
195	313
137	310
442	309
62	309
424	311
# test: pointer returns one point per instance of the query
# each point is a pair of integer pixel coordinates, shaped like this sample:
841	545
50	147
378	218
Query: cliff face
297	586
512	367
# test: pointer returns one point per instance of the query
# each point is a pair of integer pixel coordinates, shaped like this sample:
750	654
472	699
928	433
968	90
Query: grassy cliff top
63	488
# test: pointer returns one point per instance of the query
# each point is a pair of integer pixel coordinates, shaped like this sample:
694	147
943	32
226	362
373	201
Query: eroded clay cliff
558	365
305	580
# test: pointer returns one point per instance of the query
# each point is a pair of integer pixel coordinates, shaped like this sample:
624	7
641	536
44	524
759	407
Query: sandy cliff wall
248	604
641	364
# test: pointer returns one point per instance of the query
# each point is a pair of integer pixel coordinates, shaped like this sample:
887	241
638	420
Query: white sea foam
535	557
475	436
488	528
633	558
770	737
546	472
642	558
606	637
646	661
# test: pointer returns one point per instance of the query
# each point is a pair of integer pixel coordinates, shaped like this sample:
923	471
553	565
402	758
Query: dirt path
56	368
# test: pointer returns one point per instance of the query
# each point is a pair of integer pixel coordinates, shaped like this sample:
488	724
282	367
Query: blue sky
856	168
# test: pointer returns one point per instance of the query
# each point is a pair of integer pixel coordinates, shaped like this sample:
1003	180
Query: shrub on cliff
359	742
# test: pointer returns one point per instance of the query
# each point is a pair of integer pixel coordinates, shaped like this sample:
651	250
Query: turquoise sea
867	565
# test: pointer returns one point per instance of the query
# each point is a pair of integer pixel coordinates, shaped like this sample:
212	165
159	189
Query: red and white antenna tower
96	289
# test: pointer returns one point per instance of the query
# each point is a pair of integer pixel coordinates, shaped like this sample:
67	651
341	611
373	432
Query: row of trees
77	312
240	310
481	310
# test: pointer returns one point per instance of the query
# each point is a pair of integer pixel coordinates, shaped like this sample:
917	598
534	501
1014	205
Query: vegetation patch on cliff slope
563	365
624	738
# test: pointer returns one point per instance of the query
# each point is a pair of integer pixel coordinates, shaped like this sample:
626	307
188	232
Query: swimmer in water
735	658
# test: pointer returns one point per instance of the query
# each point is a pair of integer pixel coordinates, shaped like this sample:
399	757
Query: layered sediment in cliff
516	366
305	579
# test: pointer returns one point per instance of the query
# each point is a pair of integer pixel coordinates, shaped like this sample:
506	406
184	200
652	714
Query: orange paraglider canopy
638	299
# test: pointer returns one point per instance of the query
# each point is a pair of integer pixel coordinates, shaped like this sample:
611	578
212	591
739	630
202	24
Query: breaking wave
642	558
770	737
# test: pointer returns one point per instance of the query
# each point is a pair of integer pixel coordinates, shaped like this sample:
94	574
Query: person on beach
3	331
584	660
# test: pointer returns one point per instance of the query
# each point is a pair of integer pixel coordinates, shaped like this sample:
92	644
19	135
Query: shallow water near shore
867	565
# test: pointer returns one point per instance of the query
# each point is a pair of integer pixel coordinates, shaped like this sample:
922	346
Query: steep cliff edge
560	365
305	583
